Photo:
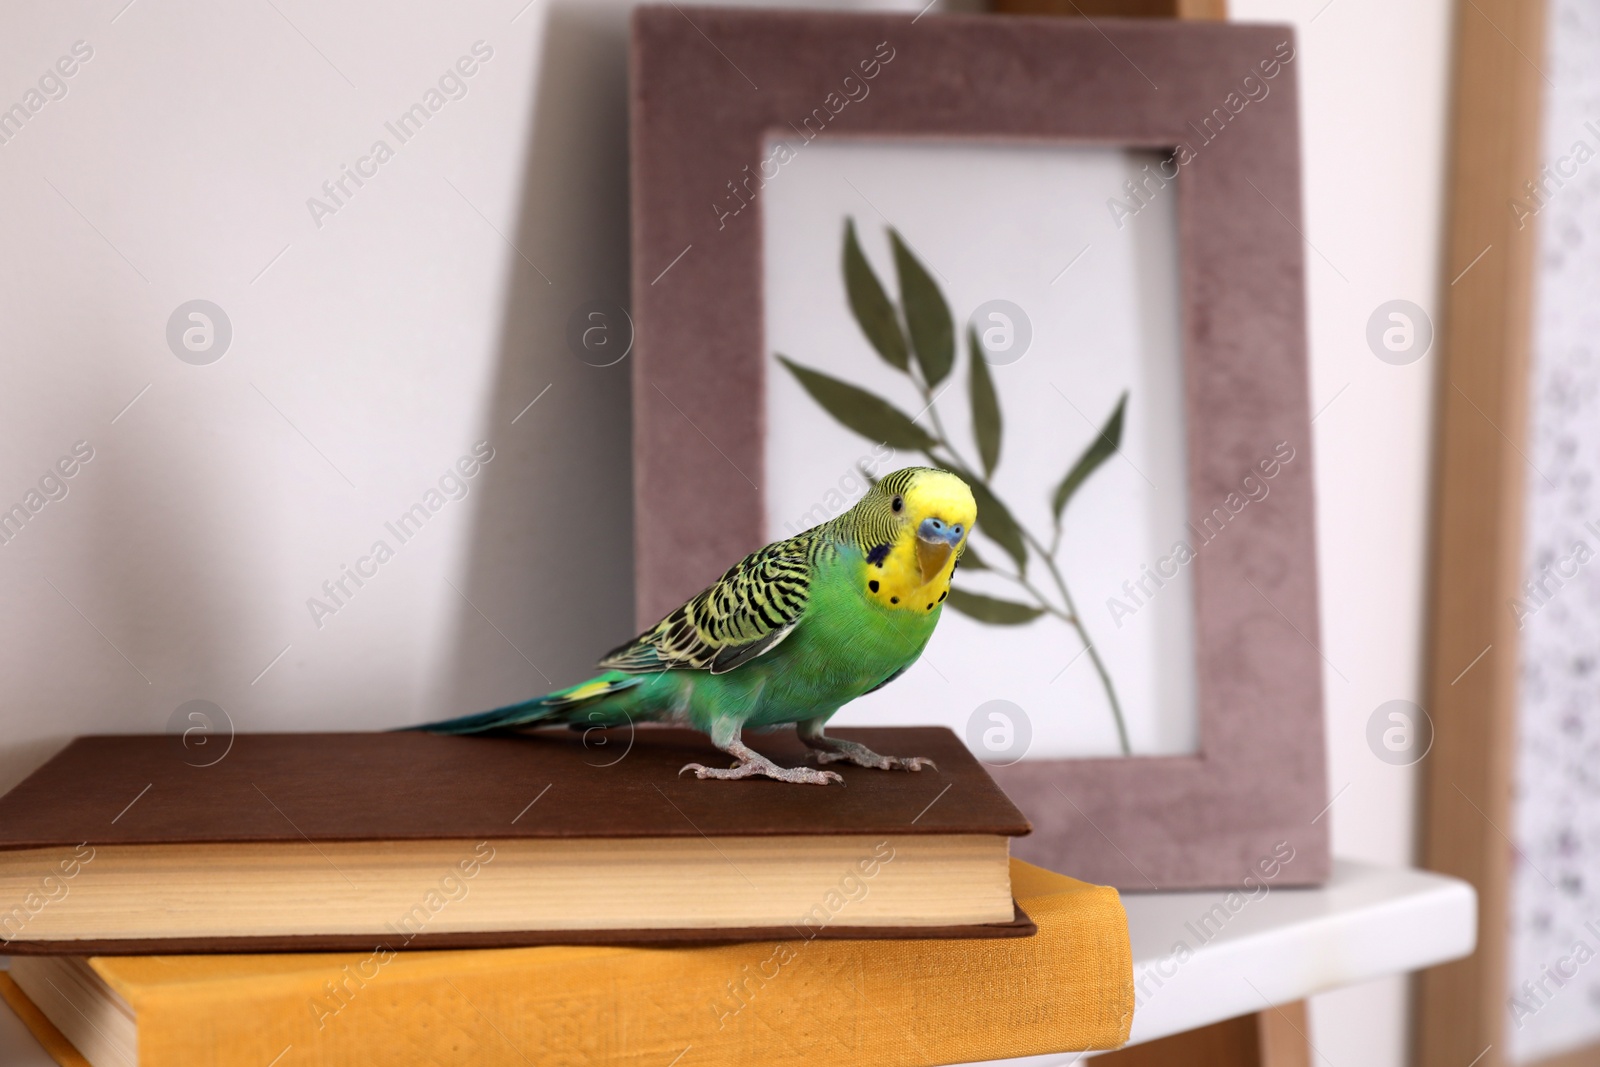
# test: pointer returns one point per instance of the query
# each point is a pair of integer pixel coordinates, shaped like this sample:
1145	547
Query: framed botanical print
1060	259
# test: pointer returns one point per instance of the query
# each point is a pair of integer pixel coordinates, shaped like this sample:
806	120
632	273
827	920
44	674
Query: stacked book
399	898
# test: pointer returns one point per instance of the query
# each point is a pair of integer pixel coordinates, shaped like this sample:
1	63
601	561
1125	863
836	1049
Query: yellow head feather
927	515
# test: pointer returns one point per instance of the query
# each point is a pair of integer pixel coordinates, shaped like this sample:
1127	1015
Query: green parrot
789	634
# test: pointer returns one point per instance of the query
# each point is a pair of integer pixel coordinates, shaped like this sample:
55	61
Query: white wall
1374	80
371	352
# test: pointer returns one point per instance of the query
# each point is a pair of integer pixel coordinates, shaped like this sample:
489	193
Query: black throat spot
878	555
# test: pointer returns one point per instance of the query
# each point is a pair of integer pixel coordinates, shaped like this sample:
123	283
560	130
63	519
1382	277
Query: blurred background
361	337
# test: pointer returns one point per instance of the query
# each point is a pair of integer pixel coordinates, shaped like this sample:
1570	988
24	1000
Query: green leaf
985	406
870	304
992	609
868	415
1102	448
933	336
994	519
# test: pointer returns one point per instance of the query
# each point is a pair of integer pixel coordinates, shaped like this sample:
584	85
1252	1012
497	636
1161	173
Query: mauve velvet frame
710	84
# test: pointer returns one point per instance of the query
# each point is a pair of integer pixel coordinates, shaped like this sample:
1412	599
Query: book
296	842
797	1001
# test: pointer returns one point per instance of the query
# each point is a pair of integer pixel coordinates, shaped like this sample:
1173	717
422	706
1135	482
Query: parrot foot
879	763
752	763
834	749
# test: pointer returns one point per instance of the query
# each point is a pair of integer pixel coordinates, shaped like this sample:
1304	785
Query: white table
1368	922
1281	947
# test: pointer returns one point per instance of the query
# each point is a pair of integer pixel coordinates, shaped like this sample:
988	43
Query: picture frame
708	87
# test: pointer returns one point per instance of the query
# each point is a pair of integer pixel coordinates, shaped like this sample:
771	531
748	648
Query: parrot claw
766	769
868	758
835	749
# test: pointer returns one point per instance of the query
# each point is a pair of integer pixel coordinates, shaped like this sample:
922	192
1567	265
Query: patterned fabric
1552	982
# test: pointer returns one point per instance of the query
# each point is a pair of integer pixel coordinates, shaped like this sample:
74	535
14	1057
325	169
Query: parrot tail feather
553	709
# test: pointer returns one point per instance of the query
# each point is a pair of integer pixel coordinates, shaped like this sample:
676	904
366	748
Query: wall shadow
548	574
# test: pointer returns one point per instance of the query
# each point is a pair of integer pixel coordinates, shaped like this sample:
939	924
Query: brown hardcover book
296	842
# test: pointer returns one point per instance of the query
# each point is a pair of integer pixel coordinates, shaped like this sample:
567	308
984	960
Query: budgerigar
788	635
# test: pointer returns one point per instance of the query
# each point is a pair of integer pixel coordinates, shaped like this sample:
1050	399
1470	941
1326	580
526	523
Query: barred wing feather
745	613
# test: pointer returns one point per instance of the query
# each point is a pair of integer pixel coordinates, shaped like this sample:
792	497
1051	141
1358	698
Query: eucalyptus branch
1088	644
1070	615
938	424
1043	601
917	336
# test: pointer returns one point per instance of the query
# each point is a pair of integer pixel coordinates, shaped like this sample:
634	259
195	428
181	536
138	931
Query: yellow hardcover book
800	1002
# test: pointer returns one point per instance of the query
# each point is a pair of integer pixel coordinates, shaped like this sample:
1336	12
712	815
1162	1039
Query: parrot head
928	515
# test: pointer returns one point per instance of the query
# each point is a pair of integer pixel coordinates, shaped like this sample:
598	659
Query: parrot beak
936	540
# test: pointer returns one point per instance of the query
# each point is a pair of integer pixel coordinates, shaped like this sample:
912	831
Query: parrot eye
898	504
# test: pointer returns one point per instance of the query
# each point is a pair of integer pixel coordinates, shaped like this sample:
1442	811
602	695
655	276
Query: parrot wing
746	612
